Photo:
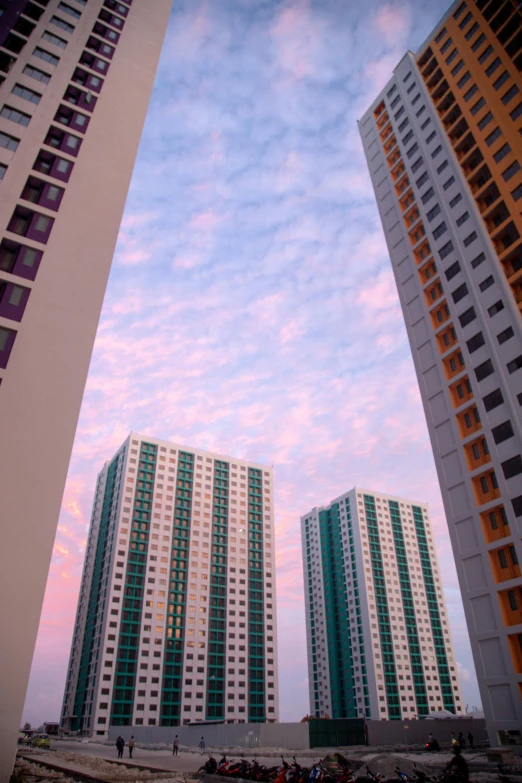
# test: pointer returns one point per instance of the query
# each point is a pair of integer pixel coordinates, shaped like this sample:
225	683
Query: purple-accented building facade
75	82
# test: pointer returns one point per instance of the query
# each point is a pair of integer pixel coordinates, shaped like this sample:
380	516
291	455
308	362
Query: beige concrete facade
42	385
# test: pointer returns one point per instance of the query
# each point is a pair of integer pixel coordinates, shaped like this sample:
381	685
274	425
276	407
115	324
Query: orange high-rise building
444	148
471	68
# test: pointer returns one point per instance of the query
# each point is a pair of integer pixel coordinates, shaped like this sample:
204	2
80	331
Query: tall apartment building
176	619
444	149
378	637
75	82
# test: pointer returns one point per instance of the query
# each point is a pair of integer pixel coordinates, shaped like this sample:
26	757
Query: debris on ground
32	772
29	772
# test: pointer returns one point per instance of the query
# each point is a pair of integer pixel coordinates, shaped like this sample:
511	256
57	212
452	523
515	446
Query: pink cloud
251	309
393	22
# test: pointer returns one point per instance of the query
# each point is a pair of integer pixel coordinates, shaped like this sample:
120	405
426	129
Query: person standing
201	746
131	746
462	740
458	766
120	744
175	746
454	742
470	739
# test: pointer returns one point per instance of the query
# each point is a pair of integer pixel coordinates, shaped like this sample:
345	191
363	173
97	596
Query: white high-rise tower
176	618
378	636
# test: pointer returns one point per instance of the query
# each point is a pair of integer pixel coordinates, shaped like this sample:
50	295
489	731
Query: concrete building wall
43	371
445	208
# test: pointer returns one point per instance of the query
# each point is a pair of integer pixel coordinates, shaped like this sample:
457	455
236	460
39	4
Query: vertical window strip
95	606
170	708
383	614
419	684
133	597
342	686
433	607
360	630
256	614
217	598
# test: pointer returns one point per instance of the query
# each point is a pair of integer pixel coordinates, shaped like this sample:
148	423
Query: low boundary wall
296	736
242	735
415	732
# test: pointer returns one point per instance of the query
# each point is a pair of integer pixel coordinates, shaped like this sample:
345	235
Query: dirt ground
31	772
384	764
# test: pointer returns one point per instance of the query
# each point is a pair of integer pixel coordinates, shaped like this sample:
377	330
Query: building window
511	468
493	400
502	432
440	230
15	116
484	370
68	10
510	94
487	283
478	106
8	142
65	26
515	364
26	94
7	337
478	43
506	334
54	40
503	151
511	171
46	56
475	342
493	310
502	79
446	250
493	67
465	79
485	54
467	317
460	293
485	121
36	73
455	201
470	93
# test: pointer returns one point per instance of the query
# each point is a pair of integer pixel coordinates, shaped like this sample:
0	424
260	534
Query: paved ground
183	762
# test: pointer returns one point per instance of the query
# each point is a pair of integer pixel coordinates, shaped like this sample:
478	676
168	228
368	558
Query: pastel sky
251	308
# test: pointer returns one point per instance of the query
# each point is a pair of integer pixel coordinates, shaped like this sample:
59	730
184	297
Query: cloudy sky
251	307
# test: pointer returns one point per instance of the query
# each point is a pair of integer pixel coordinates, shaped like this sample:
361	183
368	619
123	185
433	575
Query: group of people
120	744
461	740
458	764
